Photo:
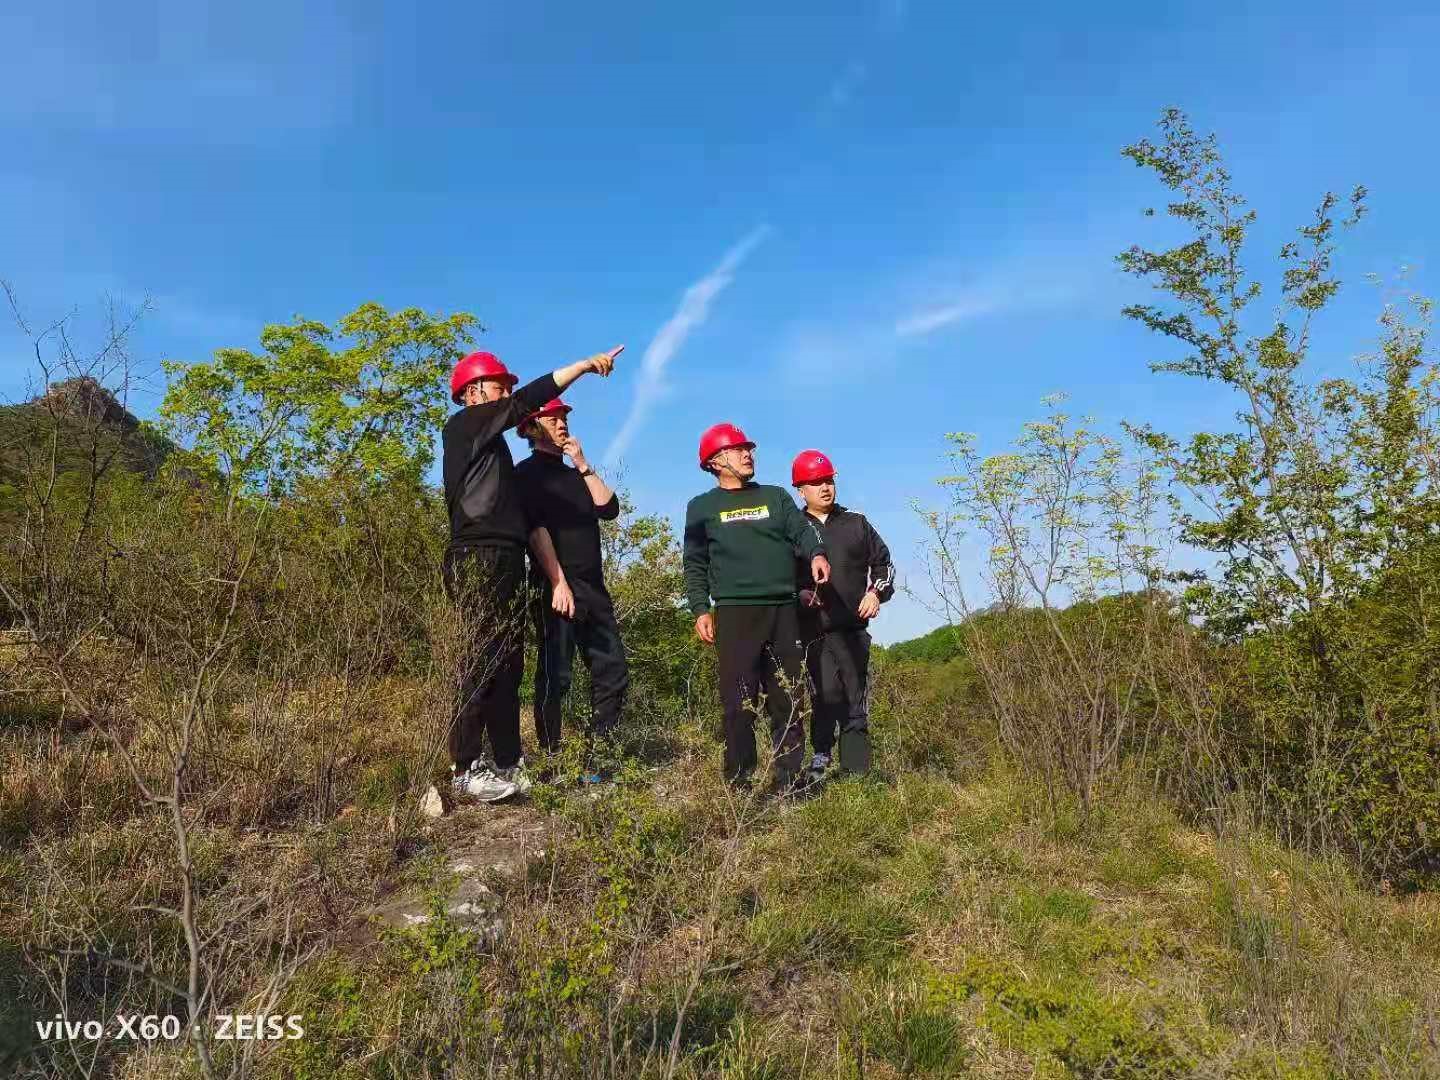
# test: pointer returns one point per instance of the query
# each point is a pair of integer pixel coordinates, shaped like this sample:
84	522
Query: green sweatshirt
740	546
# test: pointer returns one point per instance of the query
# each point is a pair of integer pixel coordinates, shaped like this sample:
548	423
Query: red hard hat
553	407
720	437
478	365
810	466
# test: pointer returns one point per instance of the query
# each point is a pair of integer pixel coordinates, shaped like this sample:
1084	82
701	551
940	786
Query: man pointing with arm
485	562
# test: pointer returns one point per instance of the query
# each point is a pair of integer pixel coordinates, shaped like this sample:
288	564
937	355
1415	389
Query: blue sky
864	224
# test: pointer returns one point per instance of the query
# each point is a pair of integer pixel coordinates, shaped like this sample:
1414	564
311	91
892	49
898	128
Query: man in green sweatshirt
741	539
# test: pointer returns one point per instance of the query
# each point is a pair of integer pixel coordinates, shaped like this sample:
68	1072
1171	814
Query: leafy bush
1294	680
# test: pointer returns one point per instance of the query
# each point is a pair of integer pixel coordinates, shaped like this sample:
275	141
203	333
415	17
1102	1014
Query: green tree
1267	497
1319	510
367	395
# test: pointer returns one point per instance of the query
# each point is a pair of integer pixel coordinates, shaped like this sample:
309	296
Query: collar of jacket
835	511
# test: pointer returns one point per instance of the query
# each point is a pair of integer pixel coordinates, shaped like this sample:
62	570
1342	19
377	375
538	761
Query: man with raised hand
834	615
569	502
485	563
741	540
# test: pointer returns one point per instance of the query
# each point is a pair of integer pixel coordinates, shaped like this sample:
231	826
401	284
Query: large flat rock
487	849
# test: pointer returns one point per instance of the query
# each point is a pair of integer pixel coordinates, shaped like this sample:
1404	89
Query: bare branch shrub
1074	544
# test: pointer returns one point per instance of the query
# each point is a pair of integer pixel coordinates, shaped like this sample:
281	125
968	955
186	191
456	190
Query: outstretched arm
483	421
600	364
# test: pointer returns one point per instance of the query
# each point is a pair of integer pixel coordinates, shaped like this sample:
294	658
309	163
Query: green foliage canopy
367	395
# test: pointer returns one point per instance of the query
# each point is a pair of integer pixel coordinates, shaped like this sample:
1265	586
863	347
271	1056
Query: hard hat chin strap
728	468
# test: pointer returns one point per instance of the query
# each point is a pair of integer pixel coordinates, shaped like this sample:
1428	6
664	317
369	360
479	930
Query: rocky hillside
80	423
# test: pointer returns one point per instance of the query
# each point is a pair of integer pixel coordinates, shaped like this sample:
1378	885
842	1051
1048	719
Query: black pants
758	648
839	668
596	634
488	585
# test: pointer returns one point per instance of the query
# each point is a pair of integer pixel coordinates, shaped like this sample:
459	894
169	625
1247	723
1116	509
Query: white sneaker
460	782
518	777
483	783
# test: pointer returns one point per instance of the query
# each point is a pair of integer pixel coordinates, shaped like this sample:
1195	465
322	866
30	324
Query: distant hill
939	645
78	417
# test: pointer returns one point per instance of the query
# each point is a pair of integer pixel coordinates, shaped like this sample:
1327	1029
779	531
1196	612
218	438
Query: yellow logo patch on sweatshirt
747	513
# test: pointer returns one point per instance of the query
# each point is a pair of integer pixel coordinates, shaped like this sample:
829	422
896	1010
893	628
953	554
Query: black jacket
555	495
479	473
859	561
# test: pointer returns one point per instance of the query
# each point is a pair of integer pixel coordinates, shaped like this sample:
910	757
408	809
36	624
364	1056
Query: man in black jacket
485	562
834	615
569	502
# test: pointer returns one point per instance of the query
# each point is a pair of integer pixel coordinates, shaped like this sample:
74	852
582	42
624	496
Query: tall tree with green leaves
1319	510
1265	495
366	395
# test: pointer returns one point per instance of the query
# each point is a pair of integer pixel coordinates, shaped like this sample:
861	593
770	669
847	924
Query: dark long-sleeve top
741	545
479	472
859	561
555	495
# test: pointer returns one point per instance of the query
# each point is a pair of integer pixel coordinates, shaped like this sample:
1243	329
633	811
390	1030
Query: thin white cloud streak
926	322
814	350
692	312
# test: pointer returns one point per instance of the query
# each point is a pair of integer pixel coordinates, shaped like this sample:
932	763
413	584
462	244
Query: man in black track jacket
834	616
485	562
741	539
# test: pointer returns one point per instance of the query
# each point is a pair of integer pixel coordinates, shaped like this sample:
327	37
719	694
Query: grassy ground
935	919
